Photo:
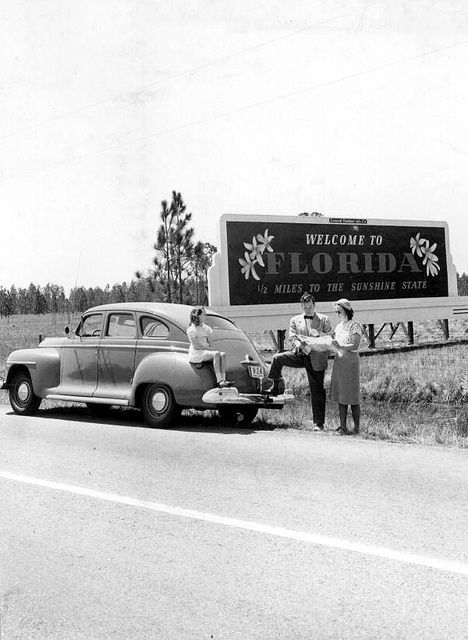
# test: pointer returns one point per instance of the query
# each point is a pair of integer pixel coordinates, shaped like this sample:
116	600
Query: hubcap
158	401
23	392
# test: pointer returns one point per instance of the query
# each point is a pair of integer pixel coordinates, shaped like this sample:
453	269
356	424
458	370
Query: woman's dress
199	349
345	386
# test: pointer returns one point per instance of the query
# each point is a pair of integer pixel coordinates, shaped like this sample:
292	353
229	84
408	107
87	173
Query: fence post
445	328
371	336
410	332
281	333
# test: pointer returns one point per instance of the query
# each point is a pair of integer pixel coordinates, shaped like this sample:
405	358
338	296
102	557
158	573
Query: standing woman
345	387
200	349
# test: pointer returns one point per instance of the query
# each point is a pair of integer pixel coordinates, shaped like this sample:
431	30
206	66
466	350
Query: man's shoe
312	425
266	385
278	387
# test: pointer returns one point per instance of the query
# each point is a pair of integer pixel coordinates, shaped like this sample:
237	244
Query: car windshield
216	322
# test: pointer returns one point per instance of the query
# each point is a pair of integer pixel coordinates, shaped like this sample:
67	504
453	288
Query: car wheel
22	397
159	407
238	416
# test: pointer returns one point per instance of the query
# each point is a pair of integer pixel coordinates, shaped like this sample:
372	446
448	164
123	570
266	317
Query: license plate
255	371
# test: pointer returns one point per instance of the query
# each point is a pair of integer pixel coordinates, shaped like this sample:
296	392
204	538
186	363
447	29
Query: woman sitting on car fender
200	349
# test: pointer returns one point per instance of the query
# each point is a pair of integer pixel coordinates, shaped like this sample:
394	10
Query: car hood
54	342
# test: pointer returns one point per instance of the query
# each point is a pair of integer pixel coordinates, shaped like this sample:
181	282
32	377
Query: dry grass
422	376
424	424
418	396
426	375
22	331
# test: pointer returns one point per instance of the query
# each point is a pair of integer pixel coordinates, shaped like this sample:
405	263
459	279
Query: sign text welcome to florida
276	262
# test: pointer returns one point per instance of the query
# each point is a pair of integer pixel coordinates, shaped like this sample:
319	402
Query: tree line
51	298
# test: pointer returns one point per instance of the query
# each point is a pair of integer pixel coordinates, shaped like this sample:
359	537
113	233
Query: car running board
87	399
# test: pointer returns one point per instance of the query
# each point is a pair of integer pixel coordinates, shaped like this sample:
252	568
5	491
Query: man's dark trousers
315	378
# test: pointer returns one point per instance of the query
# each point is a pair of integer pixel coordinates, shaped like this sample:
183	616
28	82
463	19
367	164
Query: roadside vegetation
23	331
417	396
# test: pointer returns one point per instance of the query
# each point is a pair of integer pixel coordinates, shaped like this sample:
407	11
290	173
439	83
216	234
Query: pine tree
174	250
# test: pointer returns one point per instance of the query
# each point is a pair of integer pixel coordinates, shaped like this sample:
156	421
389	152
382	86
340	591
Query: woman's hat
346	304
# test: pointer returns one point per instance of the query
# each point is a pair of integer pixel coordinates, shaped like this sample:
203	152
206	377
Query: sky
353	108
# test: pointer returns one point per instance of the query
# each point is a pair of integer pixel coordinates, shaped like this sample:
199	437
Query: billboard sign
389	269
276	263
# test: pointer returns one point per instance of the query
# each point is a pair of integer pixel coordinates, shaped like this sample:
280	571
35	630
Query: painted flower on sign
431	260
417	244
248	266
423	248
254	254
265	241
254	251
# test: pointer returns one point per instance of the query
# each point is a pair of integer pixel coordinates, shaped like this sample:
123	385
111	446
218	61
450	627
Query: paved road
112	530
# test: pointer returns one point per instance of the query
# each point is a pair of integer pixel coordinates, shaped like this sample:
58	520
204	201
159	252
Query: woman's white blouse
345	330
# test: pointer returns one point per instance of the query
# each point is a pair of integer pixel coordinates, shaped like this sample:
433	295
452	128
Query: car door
155	337
116	362
79	358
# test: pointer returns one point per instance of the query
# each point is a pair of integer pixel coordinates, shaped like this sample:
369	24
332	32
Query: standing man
307	324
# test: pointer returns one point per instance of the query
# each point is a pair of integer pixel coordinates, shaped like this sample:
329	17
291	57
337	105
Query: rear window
153	328
216	322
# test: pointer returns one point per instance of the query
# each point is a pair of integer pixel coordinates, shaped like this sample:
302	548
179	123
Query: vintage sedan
135	354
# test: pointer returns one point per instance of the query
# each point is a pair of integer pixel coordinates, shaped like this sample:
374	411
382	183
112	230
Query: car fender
42	364
188	382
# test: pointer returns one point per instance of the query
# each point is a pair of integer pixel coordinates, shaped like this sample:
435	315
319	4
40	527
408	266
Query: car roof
178	313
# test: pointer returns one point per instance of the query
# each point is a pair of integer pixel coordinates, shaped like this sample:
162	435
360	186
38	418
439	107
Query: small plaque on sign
347	220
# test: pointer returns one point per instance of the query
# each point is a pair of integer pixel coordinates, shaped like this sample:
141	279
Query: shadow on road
193	421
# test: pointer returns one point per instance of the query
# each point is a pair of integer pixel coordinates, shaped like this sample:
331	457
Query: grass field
22	331
419	396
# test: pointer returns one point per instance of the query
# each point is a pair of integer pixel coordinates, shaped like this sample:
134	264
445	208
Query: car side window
153	328
91	326
121	325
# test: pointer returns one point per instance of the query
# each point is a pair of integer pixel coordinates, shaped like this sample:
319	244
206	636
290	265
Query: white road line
248	525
